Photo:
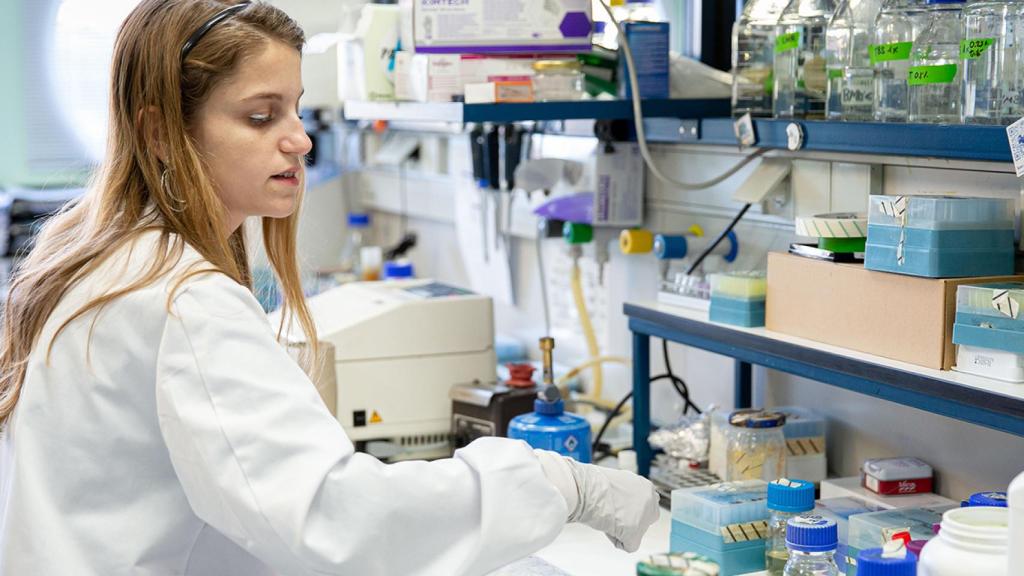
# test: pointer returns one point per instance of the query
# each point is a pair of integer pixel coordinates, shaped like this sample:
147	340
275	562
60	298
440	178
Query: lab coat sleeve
262	461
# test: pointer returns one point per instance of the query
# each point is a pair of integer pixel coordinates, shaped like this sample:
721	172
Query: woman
152	422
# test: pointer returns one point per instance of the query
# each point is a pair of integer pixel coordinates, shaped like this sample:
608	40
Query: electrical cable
725	233
641	135
683	389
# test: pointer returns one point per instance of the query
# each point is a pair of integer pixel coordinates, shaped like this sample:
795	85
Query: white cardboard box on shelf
851	486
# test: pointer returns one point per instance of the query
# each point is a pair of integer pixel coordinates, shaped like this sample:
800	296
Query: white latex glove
621	504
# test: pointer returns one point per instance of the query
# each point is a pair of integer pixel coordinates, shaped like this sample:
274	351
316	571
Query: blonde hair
151	86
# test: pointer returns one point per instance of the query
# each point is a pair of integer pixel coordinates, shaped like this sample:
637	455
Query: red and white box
894	476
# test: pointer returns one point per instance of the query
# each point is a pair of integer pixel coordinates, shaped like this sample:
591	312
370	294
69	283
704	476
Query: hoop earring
167	191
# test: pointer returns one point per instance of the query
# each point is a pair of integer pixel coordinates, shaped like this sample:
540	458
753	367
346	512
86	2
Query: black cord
607	421
718	240
678	382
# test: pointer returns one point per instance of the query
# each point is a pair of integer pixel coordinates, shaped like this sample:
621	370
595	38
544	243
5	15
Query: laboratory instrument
400	347
726	522
891	560
753	45
485	409
756	445
989	53
971	541
851	77
941	236
549	426
935	68
800	77
812	542
786	499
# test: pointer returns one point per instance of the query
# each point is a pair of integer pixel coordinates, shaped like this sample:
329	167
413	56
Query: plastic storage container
898	23
851	78
935	72
805	444
757	446
999	306
786	499
989	330
840	510
550	427
801	82
557	80
753	45
726	522
996	364
989	51
812	544
972	541
875	529
940	237
738	298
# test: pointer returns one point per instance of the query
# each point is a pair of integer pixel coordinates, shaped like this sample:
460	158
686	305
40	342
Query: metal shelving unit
973	399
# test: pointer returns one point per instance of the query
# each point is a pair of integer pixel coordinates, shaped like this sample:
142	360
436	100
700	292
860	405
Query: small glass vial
786	499
935	68
812	542
757	447
557	80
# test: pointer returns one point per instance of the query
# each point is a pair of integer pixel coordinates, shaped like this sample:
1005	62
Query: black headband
216	19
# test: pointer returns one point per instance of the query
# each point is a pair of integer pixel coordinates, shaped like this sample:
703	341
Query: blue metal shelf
958	142
977	405
502	113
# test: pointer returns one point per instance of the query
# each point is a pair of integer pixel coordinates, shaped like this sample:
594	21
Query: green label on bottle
971	49
787	42
834	73
940	74
890	52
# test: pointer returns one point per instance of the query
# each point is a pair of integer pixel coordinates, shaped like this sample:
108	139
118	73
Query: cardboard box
903	318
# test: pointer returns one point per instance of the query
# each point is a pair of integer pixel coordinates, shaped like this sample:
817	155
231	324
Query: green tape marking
939	74
787	42
890	52
842	245
971	49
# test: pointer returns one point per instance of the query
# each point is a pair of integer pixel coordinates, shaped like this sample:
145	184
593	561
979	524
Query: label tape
745	531
843	225
805	446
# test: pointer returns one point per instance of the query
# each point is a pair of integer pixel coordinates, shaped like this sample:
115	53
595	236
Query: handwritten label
1015	135
890	52
938	74
971	49
787	42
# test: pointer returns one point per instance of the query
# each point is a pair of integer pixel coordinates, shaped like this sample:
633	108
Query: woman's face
252	138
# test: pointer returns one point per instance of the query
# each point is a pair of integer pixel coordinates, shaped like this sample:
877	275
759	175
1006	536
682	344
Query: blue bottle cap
757	418
792	496
810	533
398	269
871	563
599	26
545	408
358	220
997	499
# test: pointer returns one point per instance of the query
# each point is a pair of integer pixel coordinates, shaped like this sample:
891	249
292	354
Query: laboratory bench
981	401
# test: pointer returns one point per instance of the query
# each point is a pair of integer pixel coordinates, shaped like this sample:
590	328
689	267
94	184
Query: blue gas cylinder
550	427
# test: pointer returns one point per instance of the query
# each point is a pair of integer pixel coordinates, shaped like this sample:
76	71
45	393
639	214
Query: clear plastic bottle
989	57
851	78
812	542
786	499
753	43
800	79
898	24
358	226
935	71
757	447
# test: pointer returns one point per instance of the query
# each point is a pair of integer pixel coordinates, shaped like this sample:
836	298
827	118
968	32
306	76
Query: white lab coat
190	443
